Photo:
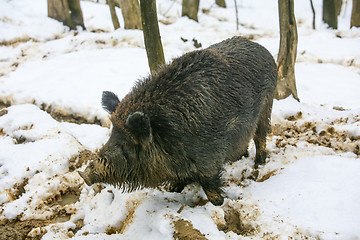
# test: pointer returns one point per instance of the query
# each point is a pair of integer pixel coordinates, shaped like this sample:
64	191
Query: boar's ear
139	125
109	101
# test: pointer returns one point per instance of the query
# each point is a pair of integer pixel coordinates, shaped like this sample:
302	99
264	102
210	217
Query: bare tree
331	11
221	3
355	14
313	11
237	15
151	33
286	85
66	11
114	17
190	9
131	12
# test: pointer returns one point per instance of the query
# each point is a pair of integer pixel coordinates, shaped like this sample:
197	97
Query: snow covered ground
309	188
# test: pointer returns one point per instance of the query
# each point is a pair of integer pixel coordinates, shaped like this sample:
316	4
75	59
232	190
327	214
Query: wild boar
183	123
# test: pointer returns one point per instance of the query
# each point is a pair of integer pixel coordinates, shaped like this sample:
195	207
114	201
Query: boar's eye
139	125
109	101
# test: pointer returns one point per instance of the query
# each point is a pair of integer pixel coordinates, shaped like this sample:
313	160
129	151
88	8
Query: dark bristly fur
182	124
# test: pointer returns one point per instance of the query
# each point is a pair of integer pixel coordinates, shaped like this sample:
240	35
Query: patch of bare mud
18	190
57	207
79	160
60	204
184	230
16	41
57	114
30	229
20	229
236	219
61	116
3	112
3	105
291	132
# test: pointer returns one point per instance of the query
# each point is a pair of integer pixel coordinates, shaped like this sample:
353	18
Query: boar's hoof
260	159
214	197
85	177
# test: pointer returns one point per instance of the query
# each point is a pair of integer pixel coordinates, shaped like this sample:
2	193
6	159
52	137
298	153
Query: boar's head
119	161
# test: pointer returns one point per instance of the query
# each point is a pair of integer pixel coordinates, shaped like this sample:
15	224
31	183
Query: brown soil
83	158
3	105
58	204
184	230
235	220
291	131
20	229
15	42
56	114
65	117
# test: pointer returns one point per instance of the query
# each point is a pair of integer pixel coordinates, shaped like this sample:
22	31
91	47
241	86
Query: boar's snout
90	174
85	177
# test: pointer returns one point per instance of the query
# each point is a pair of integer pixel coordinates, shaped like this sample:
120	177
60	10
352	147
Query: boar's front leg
178	186
212	188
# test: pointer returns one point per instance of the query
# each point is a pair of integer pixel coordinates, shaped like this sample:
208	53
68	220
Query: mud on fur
183	123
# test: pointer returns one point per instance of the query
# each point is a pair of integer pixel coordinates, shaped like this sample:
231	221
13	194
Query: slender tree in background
131	12
355	14
237	15
221	3
313	11
66	11
190	9
286	85
331	11
151	33
114	17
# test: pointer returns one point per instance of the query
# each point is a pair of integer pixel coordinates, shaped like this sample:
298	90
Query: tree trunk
151	33
338	4
221	3
114	17
66	11
331	11
286	85
237	15
76	13
190	9
117	3
355	14
131	13
313	11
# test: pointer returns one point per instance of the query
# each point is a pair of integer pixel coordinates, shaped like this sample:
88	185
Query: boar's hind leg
263	127
212	189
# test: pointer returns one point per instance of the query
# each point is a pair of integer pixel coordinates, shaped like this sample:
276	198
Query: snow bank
307	190
315	194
